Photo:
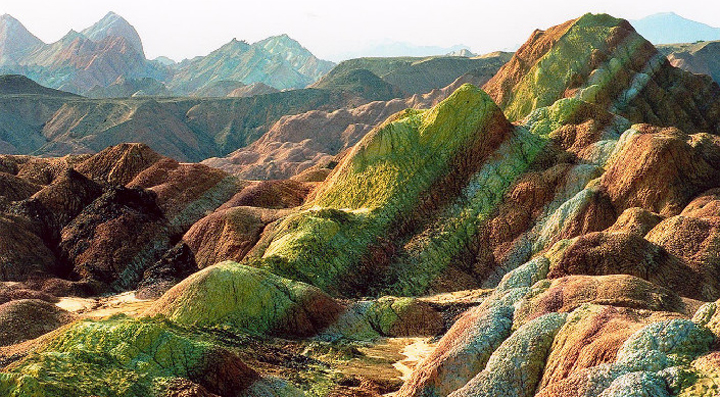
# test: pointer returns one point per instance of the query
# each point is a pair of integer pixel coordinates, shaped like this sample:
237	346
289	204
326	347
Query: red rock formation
634	178
228	234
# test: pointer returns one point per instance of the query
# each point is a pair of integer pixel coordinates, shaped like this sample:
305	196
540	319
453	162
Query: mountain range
104	57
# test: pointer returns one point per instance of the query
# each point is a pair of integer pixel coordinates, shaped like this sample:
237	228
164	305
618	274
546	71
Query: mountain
417	75
15	40
101	59
394	49
462	53
125	87
195	129
553	233
113	25
278	62
702	57
165	61
78	63
298	56
670	28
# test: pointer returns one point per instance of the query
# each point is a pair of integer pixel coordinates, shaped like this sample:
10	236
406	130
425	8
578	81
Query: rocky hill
297	143
225	117
701	57
553	233
15	40
20	85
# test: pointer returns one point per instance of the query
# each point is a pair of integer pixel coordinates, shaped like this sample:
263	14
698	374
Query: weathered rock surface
25	319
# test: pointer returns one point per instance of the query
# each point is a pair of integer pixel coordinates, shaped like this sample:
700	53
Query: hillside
305	141
187	129
224	117
702	57
21	85
553	233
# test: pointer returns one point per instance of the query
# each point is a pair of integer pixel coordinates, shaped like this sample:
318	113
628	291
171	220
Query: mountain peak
15	39
671	28
113	24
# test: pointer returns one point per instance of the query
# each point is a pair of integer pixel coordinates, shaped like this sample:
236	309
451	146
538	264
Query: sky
182	29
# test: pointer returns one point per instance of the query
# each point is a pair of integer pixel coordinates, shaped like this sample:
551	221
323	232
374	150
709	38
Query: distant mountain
298	56
113	24
165	61
669	28
15	40
80	61
36	120
15	84
279	62
110	53
702	57
413	75
462	53
126	87
389	48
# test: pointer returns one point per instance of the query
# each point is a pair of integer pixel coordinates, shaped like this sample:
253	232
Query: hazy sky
182	29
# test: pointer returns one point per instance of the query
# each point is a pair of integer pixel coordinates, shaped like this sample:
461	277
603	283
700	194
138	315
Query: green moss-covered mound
120	356
401	175
249	299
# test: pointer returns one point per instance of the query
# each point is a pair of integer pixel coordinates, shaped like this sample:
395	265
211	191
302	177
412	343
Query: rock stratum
553	233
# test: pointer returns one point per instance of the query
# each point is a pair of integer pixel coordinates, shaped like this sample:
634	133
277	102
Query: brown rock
592	336
228	234
568	293
619	253
270	194
25	319
118	165
13	188
116	238
636	221
642	176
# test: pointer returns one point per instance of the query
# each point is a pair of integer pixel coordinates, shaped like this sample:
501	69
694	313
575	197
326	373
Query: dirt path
414	353
105	306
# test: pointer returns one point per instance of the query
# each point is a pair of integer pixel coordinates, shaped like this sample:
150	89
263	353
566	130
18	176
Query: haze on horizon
184	29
